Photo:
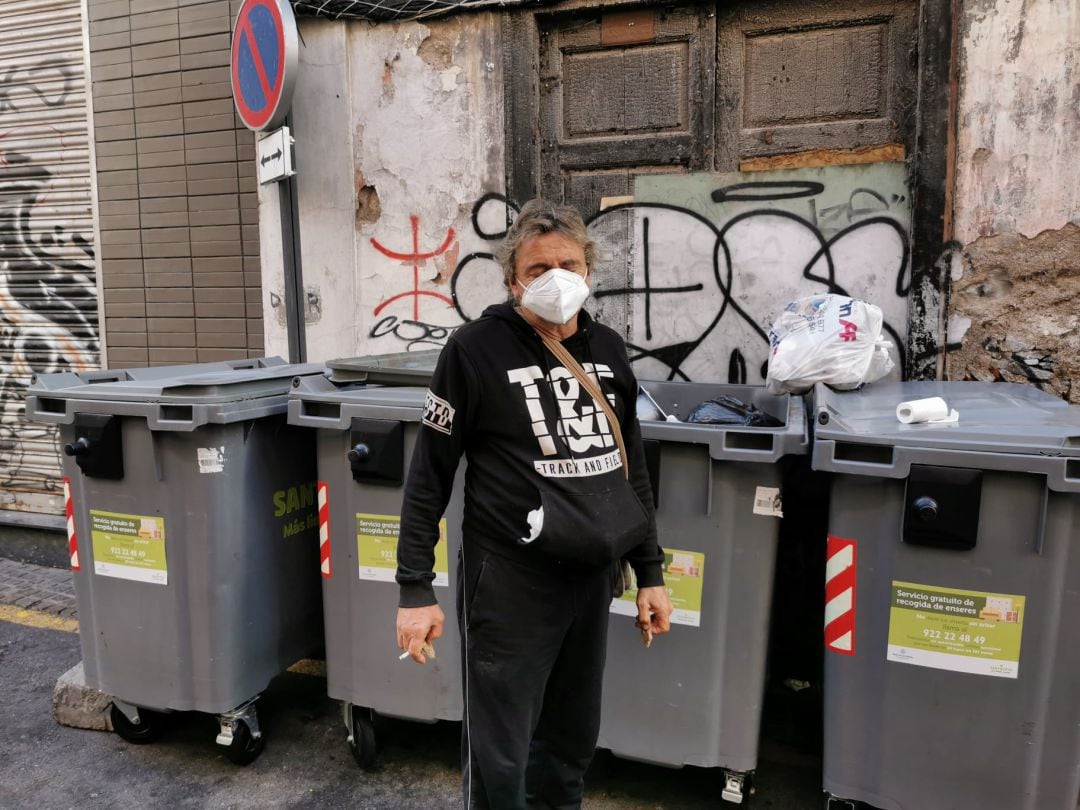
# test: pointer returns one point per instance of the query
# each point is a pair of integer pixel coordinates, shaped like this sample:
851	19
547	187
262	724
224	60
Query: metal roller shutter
48	289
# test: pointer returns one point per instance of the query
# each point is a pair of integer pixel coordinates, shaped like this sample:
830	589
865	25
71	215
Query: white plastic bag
827	338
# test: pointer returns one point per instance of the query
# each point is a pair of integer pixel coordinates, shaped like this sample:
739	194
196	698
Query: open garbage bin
696	697
952	669
192	530
364	442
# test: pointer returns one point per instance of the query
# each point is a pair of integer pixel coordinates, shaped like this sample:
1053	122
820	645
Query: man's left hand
654	609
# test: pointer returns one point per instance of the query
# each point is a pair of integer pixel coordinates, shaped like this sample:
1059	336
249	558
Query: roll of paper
933	409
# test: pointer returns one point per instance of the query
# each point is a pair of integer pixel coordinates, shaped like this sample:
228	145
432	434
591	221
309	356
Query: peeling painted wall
400	153
1019	117
399	141
1016	268
399	129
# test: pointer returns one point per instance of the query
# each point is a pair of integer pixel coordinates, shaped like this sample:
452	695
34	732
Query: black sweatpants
533	651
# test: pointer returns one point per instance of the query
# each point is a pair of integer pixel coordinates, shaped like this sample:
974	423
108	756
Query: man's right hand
417	627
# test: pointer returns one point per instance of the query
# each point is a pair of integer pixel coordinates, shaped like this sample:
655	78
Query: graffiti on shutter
48	290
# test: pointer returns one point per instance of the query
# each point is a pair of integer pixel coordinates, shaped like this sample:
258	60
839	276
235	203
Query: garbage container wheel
738	788
362	736
244	748
146	731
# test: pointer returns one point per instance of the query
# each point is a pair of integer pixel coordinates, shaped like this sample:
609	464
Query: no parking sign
265	57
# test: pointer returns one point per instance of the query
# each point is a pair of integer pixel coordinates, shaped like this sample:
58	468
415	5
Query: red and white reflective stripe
69	510
324	530
840	596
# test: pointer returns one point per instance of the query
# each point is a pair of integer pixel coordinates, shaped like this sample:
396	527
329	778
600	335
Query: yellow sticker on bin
684	573
964	631
376	548
129	546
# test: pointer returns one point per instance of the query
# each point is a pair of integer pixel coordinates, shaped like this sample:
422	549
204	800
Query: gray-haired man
549	512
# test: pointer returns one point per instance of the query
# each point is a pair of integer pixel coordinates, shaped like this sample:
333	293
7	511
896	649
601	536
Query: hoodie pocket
590	529
469	597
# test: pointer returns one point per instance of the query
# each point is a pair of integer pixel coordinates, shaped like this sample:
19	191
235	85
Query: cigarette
427	651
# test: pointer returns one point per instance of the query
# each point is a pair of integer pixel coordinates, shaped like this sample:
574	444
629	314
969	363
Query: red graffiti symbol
416	258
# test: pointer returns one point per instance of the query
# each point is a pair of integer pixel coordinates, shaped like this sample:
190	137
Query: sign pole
294	277
265	61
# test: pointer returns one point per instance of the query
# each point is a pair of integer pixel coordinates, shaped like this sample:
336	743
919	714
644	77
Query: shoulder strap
590	385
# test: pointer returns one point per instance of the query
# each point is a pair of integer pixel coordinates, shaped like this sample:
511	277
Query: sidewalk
306	764
35	587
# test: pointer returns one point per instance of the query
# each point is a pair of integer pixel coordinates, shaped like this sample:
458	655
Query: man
549	513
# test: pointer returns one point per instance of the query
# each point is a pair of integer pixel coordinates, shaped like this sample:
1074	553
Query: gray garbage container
695	697
192	529
364	442
952	673
397	368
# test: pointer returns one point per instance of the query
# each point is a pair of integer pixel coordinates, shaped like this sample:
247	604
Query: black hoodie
544	483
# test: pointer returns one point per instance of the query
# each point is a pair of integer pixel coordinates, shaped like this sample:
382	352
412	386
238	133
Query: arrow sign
265	59
275	156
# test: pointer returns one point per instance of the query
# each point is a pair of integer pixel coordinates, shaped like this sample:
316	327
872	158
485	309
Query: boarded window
622	94
795	77
699	87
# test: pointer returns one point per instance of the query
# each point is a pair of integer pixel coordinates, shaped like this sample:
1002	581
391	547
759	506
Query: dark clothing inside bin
726	410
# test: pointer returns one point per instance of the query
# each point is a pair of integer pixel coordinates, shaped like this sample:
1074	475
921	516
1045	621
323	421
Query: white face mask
556	296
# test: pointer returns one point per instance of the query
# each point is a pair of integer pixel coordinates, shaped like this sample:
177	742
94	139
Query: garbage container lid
399	368
728	442
994	418
204	383
366	396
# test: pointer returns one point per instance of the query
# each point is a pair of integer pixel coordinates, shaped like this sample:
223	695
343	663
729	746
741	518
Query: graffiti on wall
48	295
695	268
412	330
715	259
47	83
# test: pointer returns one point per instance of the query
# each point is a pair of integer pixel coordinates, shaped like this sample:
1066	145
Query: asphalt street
306	762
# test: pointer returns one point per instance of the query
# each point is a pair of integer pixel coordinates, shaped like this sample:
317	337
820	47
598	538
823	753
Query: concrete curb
37	545
76	705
